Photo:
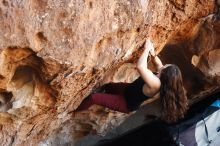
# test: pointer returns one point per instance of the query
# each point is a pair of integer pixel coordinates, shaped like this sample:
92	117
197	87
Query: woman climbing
127	97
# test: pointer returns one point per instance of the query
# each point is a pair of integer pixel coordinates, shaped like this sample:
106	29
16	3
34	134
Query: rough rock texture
55	53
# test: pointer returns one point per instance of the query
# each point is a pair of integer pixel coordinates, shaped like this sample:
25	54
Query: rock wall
55	53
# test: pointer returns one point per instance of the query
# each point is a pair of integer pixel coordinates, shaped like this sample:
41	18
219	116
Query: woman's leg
114	102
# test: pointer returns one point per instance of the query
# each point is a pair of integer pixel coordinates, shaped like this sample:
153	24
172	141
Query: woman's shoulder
150	92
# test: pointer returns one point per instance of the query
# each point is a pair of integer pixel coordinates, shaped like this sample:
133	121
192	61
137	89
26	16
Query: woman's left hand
152	52
149	45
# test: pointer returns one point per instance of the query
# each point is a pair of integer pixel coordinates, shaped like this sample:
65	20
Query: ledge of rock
55	53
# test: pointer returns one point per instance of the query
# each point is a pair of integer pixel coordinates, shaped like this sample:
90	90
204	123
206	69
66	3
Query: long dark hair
172	94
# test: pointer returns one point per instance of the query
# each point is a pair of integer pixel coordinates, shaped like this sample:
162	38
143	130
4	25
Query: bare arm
157	62
152	82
